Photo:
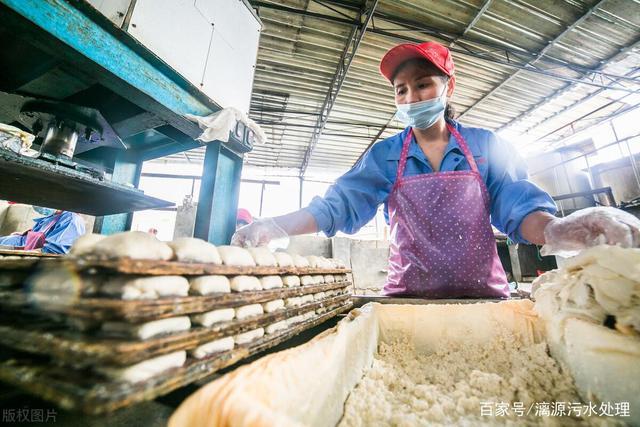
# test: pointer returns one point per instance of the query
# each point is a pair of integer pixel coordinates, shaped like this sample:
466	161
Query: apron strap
52	224
403	155
459	138
463	146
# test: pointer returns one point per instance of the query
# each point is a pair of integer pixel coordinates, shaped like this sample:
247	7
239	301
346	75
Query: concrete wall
185	219
369	263
366	258
310	245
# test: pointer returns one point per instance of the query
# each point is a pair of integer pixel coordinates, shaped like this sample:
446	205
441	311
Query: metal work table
65	50
25	179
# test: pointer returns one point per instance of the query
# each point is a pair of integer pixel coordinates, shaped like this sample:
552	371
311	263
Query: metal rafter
487	55
293	10
493	46
570	87
375	138
351	47
531	63
473	22
585	117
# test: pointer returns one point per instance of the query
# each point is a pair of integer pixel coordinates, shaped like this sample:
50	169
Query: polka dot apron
442	244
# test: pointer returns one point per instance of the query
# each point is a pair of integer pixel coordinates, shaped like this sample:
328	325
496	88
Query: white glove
591	227
258	233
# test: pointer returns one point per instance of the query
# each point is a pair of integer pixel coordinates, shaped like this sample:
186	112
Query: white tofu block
150	287
217	346
245	283
147	330
325	263
271	306
328	278
247	311
247	337
275	327
283	259
299	261
146	369
340	277
234	255
263	256
318	279
307	280
307	298
84	244
205	285
271	282
295	319
319	296
134	245
313	260
191	249
56	282
293	301
215	316
290	281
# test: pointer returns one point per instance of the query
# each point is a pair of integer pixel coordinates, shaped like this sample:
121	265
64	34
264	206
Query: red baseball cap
435	53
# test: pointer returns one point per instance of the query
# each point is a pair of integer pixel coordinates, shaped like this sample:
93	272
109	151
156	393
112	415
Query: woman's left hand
591	227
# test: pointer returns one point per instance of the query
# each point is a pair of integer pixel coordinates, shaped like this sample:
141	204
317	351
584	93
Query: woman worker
443	185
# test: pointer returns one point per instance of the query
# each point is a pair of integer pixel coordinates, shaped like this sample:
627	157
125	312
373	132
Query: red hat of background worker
244	215
433	52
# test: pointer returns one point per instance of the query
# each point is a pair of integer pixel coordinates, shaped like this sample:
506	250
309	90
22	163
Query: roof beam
570	87
532	62
510	53
288	9
473	22
507	63
375	138
492	47
584	117
351	47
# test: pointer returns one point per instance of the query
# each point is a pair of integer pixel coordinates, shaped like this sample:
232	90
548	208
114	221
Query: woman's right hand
258	233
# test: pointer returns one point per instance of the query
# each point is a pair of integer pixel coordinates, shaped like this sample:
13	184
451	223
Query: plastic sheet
591	227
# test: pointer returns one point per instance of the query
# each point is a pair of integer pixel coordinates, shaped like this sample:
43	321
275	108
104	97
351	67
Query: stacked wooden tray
56	361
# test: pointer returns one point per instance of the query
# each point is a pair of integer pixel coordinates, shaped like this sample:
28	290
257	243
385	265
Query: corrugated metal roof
524	68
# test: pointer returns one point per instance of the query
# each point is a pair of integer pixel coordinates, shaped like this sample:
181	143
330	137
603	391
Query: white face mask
423	114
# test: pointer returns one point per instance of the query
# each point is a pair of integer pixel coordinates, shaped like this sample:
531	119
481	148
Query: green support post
127	167
219	192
